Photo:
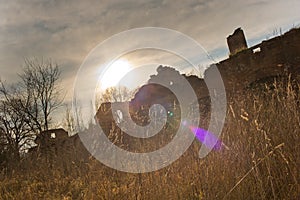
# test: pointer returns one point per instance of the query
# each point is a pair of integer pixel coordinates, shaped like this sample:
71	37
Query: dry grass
262	162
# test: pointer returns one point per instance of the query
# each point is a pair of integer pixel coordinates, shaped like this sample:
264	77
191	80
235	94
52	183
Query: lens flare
206	138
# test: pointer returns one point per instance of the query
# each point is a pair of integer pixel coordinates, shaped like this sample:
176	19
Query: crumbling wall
276	57
272	58
55	145
237	41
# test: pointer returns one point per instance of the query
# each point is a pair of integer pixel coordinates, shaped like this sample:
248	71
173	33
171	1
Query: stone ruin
277	57
237	41
245	66
57	145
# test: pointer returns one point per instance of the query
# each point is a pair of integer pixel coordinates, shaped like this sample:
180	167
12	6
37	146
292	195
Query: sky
68	30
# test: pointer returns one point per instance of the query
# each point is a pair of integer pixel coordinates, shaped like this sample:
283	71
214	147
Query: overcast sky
67	30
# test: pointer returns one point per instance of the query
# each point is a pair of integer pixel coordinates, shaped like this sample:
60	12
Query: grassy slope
262	162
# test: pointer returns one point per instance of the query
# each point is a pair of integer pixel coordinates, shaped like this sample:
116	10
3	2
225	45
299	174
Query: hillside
259	159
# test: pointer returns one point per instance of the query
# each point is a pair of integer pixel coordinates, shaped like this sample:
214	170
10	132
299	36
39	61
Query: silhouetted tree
39	80
26	107
73	124
114	94
15	131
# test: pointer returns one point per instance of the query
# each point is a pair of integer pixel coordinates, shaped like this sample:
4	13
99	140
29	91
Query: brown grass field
262	161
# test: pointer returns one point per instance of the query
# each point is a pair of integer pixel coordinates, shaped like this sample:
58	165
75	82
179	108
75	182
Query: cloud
67	31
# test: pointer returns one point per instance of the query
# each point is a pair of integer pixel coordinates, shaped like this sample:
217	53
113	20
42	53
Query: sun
114	73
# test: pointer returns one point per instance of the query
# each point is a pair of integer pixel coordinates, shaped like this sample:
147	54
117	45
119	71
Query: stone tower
237	41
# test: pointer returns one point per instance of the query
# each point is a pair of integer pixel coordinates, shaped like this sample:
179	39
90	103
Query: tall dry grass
262	161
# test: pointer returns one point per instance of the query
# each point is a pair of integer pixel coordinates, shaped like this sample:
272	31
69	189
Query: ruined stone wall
56	146
272	58
276	57
237	41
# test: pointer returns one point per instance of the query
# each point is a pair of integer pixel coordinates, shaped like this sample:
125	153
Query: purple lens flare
206	138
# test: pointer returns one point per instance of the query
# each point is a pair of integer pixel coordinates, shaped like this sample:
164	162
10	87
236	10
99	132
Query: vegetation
114	94
261	161
27	106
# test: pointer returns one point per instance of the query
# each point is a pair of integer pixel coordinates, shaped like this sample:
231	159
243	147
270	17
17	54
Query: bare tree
39	80
26	107
73	121
114	94
14	128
